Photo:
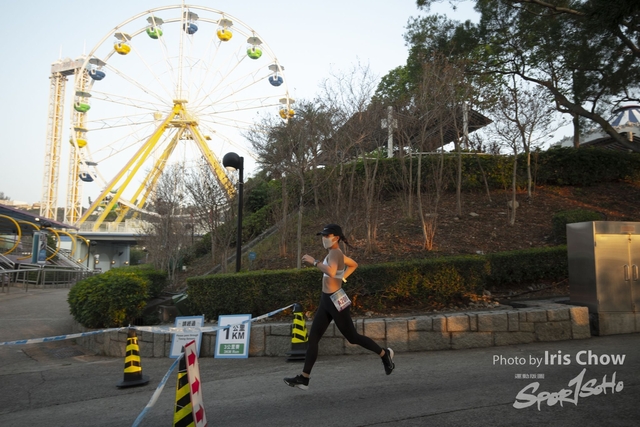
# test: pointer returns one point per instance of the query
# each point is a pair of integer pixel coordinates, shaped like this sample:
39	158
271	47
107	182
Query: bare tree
523	119
271	153
292	148
166	234
436	106
347	96
210	209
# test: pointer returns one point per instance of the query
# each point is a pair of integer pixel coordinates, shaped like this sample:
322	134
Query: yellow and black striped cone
183	415
132	367
299	336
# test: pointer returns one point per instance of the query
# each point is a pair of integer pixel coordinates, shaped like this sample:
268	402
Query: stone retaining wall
540	321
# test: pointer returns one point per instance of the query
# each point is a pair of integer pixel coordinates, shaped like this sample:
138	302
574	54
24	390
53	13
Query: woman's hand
308	259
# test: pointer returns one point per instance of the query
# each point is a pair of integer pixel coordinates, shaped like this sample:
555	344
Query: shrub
110	299
157	278
562	218
586	166
527	267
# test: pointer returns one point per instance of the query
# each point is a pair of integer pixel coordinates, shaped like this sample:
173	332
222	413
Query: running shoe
299	381
387	361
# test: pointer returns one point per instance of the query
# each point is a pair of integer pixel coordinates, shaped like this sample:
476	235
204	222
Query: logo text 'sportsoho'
576	390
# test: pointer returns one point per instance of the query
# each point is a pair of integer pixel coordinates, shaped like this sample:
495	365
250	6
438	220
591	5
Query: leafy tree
585	53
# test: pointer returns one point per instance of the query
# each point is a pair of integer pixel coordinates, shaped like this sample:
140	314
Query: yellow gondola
224	33
287	114
122	48
122	45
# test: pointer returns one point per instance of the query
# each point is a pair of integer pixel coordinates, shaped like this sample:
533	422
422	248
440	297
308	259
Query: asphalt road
56	384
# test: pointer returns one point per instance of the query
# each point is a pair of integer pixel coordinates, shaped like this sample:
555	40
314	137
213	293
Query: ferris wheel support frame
151	179
179	117
140	157
214	164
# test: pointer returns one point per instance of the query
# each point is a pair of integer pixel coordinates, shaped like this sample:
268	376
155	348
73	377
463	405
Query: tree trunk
576	130
484	177
419	201
300	208
314	176
285	209
339	187
459	181
369	201
529	177
410	187
512	218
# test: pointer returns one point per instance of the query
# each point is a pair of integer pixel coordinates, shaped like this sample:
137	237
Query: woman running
334	305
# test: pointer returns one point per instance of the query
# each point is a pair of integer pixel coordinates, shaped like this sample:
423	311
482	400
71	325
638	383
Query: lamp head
232	161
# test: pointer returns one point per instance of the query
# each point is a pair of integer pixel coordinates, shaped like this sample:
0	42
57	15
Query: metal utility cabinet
604	262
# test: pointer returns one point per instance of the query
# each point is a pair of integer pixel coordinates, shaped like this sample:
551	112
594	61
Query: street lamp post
232	161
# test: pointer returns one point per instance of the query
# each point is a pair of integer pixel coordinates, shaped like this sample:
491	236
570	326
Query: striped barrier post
183	414
132	366
299	336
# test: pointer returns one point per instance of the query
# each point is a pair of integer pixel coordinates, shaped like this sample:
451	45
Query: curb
536	321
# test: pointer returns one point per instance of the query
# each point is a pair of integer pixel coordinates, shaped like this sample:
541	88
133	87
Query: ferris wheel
175	84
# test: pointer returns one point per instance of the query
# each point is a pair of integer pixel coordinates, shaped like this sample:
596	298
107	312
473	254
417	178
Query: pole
239	237
390	137
389	123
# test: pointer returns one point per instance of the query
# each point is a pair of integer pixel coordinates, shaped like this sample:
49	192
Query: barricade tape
158	391
173	330
61	337
156	394
154	329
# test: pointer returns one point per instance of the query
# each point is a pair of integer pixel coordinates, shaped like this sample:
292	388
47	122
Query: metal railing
65	259
42	276
128	226
6	262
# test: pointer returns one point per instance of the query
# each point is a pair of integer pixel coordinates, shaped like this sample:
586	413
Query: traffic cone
132	368
183	414
299	336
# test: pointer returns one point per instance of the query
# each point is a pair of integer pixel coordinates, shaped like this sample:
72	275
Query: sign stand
233	342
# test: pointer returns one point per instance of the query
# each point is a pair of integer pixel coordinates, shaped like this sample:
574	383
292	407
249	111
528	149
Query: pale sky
311	40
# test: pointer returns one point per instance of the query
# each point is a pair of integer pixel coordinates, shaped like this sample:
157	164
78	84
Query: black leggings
325	313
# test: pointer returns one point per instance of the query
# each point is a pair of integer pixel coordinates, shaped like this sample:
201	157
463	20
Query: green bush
586	166
158	279
527	266
110	299
561	219
403	285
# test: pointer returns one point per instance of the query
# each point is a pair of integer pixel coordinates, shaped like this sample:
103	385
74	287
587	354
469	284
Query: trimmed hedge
528	266
404	285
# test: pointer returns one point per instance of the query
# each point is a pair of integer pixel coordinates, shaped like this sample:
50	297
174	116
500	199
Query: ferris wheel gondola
180	87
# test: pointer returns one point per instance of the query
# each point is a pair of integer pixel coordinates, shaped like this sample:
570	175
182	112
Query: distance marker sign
181	339
233	342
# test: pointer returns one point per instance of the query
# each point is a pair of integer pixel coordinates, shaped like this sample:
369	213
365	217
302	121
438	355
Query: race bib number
340	299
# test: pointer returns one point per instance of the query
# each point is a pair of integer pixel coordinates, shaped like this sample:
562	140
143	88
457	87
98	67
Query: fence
41	276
